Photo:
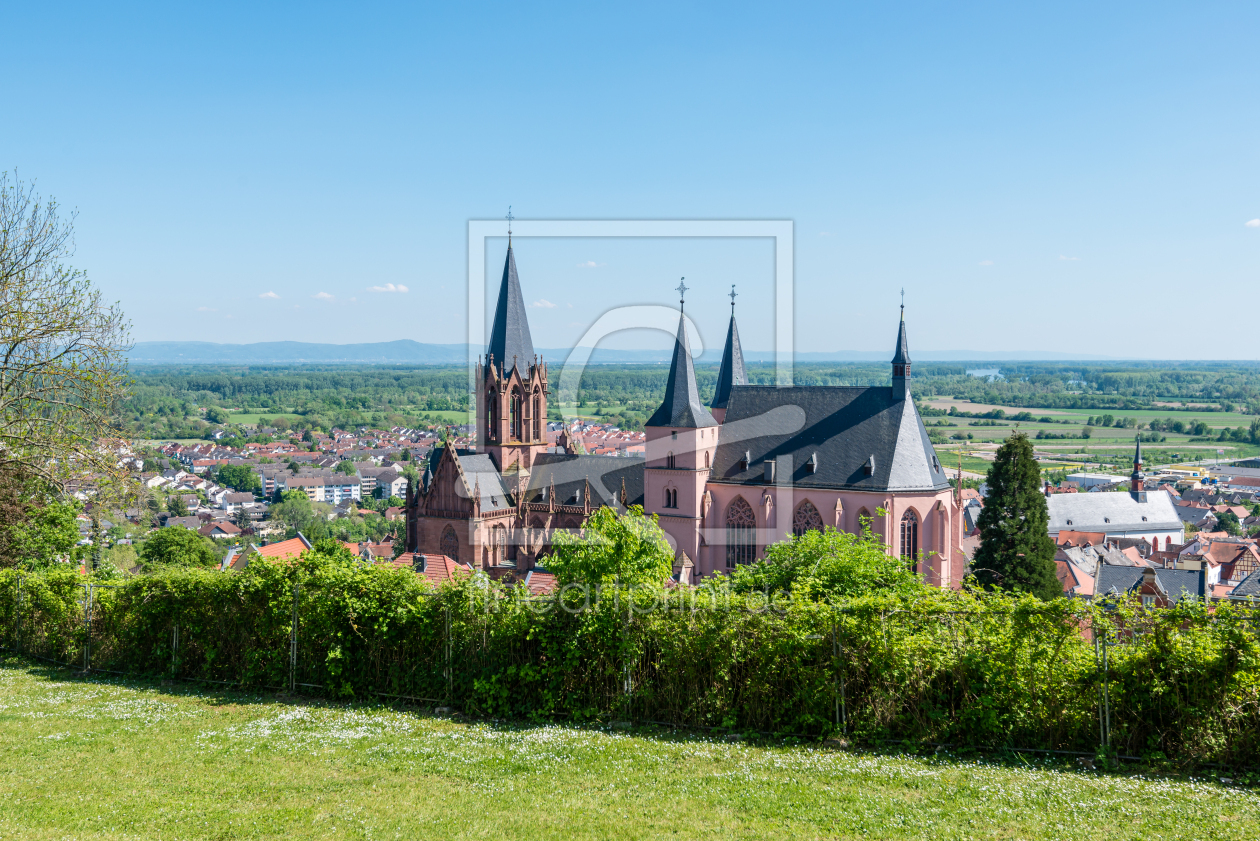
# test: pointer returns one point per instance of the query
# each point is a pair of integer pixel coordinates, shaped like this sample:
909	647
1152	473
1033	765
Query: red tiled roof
284	549
539	582
439	569
1080	538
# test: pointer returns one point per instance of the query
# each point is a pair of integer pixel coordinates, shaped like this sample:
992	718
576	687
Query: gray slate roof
681	407
846	427
510	342
479	470
570	473
1178	583
731	372
1112	512
1249	587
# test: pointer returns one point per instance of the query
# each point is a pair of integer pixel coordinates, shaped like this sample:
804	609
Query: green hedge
958	668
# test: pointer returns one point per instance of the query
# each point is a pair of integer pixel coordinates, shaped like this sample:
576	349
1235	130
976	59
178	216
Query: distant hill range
407	352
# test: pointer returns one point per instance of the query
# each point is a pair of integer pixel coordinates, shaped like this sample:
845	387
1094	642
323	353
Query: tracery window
537	418
450	544
741	533
498	539
514	416
910	535
806	519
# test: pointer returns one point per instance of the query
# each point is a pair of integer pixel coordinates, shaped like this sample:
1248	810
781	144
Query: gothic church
759	464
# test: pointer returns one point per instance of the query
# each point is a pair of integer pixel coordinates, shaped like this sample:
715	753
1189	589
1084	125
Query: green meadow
115	758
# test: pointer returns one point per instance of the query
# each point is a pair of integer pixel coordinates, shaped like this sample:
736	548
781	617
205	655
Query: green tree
1016	552
627	548
1227	521
347	467
294	467
296	511
242	520
177	546
175	506
46	534
827	564
239	477
216	415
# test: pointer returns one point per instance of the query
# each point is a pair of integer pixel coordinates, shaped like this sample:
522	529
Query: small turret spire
681	407
901	359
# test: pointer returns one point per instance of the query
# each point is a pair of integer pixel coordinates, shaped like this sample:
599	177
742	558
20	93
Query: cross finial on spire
509	218
903	303
732	296
682	292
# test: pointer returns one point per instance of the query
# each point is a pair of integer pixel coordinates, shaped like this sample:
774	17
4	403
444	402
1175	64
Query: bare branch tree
62	365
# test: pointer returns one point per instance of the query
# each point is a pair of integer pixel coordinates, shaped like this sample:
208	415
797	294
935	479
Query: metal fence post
450	674
1106	693
293	640
87	626
837	682
17	616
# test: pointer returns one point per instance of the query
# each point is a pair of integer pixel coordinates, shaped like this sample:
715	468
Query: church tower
681	442
731	373
512	387
901	362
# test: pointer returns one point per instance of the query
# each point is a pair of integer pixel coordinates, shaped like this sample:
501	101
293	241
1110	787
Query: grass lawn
114	759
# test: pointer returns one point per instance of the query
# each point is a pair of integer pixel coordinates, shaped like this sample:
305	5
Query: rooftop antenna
682	293
732	296
509	218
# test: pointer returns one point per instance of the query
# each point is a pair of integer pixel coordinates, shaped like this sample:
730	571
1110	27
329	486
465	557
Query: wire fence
960	678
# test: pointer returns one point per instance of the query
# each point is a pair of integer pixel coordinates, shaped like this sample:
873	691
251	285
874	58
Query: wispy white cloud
590	264
1254	223
986	262
389	287
1069	259
323	296
543	303
271	295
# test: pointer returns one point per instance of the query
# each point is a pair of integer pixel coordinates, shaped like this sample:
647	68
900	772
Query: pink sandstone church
758	465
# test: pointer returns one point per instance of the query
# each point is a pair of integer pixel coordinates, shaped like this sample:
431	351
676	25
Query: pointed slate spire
731	372
682	407
510	342
902	356
901	361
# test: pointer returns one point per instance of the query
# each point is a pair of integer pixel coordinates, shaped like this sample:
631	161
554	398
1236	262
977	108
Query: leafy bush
967	668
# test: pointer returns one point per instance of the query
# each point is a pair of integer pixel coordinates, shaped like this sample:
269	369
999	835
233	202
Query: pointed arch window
492	405
706	460
910	535
806	519
741	533
498	540
669	460
450	544
537	417
514	416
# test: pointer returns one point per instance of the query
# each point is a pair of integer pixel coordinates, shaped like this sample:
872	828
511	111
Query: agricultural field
120	758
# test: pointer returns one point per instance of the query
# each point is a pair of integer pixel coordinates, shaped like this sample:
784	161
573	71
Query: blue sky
1035	178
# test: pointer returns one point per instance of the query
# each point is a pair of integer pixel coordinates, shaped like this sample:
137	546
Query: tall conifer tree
1016	552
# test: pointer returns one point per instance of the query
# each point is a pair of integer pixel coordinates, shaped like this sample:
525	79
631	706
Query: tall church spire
901	359
731	372
681	407
510	342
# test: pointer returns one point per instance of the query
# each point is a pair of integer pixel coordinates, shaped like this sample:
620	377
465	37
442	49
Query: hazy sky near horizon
1075	176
